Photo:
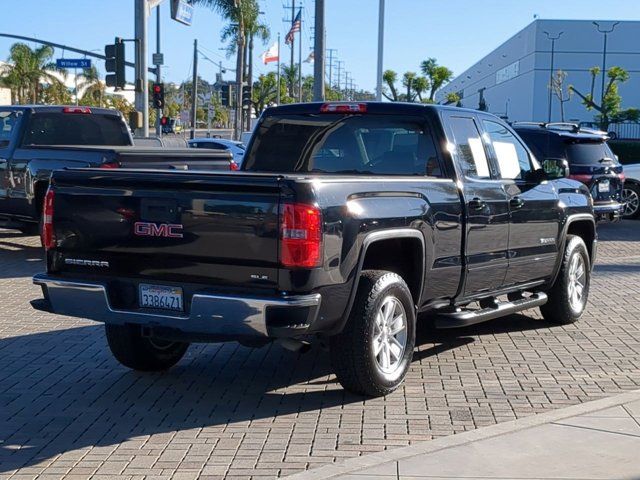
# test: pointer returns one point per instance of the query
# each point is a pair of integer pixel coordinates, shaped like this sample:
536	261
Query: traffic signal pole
141	83
194	90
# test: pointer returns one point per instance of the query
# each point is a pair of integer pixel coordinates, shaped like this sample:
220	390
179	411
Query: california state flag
271	55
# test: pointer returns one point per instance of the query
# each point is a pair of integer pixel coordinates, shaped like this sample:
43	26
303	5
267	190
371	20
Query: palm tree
407	81
390	77
290	75
28	70
436	74
242	16
420	85
265	92
93	87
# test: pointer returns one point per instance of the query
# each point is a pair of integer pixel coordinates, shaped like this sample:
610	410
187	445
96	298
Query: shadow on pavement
20	256
62	391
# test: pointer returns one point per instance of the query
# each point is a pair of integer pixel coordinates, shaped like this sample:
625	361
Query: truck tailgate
218	229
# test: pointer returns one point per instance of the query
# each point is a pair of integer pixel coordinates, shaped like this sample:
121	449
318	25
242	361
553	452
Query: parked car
36	140
631	191
591	161
221	144
345	222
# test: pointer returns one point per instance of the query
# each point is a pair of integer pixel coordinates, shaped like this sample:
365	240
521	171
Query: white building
514	79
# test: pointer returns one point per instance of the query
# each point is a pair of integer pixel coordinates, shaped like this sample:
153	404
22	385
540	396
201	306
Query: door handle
516	202
477	204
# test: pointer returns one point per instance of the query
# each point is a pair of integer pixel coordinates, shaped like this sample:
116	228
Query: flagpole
278	74
300	60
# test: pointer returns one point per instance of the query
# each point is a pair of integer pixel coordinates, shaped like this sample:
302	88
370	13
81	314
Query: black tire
145	354
631	194
352	351
564	308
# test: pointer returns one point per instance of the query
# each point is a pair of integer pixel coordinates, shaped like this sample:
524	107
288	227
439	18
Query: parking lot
67	407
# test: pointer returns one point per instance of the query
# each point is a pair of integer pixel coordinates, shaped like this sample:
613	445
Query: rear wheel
569	294
372	354
145	354
631	199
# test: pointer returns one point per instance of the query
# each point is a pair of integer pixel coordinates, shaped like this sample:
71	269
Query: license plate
603	186
157	296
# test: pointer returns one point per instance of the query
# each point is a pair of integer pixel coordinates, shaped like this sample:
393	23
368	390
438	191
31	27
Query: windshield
57	128
588	153
321	143
8	124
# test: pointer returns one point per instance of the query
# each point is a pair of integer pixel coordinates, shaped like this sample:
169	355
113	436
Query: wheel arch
407	259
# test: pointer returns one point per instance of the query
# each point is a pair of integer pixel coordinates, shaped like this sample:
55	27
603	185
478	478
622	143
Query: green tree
389	77
265	92
28	70
437	75
93	89
56	94
407	82
453	98
610	108
420	86
290	75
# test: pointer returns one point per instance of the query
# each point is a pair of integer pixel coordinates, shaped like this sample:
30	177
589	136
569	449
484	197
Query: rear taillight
300	236
584	178
85	110
234	166
48	237
343	108
622	177
109	165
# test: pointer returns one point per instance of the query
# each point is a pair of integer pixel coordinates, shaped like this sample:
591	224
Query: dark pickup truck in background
346	221
36	140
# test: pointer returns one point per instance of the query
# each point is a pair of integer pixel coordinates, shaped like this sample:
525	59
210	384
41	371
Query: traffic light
114	64
225	96
246	95
158	95
164	121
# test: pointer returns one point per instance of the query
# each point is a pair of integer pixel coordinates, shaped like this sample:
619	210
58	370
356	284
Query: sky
456	32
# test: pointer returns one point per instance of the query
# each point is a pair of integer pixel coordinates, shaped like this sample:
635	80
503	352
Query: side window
513	159
470	154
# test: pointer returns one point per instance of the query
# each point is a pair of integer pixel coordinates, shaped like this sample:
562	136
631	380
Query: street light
553	49
604	53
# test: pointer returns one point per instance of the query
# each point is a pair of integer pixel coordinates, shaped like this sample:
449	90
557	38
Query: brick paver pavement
68	409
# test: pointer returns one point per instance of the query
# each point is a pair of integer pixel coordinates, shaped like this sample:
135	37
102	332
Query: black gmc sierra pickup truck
36	140
346	221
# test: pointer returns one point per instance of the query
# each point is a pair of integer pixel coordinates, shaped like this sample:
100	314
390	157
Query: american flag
295	27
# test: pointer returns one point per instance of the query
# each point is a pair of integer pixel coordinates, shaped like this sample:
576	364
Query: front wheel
145	354
631	199
372	355
569	294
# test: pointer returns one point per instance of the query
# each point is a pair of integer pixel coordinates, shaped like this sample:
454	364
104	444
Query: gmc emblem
148	229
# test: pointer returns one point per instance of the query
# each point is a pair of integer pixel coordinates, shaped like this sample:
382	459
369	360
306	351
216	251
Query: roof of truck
59	108
371	107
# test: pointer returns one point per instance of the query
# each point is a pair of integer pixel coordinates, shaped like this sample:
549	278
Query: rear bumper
211	316
608	211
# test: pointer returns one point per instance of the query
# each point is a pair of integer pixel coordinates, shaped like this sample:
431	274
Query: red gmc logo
148	229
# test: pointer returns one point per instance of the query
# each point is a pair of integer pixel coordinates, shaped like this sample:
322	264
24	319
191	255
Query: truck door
486	206
9	127
533	204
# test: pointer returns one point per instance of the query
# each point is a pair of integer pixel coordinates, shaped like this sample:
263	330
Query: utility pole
604	55
293	37
380	50
141	83
553	49
194	89
340	63
158	74
318	52
331	50
278	74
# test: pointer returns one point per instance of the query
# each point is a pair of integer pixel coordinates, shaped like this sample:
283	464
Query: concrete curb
430	446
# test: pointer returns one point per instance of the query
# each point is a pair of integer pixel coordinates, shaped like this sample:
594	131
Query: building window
508	72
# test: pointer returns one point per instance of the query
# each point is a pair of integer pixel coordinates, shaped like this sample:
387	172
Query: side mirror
555	168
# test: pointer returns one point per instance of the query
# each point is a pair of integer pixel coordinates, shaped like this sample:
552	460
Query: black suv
590	159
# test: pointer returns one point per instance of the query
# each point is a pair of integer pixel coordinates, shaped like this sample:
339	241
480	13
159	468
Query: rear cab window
9	121
344	144
59	128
